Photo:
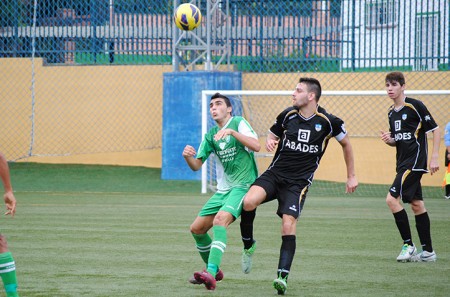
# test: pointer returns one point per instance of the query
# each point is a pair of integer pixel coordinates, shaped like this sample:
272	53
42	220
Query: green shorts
231	201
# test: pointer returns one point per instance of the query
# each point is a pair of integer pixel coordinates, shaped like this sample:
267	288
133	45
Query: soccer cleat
447	197
219	277
407	252
280	284
424	256
206	278
246	261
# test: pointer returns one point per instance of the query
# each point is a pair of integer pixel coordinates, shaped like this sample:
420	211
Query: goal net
364	114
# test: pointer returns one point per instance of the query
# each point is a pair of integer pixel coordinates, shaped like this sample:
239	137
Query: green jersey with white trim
235	163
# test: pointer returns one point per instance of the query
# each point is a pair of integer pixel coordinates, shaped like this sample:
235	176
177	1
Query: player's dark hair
395	76
313	86
218	95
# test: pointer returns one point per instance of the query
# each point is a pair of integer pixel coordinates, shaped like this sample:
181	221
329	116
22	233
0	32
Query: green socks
203	244
212	251
217	249
8	274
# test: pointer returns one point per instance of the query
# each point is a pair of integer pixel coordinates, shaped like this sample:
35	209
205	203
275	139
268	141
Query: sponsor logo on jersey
427	118
222	145
303	135
404	116
398	125
402	136
226	155
302	147
318	127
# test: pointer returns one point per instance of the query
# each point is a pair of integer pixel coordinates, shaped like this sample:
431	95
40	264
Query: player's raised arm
248	141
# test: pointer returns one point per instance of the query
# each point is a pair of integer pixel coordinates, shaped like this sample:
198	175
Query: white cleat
424	256
408	251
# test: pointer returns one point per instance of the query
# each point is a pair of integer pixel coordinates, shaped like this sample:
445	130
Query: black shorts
407	185
291	196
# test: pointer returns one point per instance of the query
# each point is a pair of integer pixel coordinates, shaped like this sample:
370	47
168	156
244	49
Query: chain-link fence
85	76
265	35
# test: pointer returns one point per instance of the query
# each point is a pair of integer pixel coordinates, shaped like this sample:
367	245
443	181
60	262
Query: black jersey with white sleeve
303	142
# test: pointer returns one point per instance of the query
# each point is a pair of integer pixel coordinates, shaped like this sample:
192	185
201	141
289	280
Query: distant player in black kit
409	122
300	136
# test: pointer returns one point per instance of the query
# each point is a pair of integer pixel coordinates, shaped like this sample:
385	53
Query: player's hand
222	134
10	202
271	144
189	151
434	164
386	137
351	185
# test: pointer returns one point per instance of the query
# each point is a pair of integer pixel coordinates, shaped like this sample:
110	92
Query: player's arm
271	141
277	129
189	153
434	163
10	200
250	142
387	138
352	182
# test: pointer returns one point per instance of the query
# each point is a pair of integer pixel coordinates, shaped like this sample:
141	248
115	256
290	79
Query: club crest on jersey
318	127
224	141
303	135
404	116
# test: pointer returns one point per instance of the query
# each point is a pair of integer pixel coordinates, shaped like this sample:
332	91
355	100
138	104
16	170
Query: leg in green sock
203	244
218	247
8	274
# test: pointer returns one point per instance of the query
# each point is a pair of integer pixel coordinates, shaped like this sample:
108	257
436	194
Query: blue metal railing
282	36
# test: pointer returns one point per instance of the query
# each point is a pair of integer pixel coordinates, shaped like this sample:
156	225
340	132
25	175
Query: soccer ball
187	17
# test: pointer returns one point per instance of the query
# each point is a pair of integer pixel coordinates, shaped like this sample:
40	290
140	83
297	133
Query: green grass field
118	231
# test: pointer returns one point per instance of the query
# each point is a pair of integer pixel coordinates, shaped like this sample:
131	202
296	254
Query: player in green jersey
232	142
7	264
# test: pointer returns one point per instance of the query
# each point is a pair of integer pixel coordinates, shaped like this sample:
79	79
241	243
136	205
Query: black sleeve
427	119
338	126
278	127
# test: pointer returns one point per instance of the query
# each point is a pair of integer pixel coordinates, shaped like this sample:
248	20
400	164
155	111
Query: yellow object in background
447	177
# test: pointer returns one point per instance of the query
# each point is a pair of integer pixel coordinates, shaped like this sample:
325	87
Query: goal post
364	114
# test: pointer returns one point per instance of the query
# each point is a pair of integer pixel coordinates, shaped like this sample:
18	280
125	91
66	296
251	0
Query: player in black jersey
409	122
300	136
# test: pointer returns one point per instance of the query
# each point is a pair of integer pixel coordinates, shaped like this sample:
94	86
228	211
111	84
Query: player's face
395	90
219	109
300	97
